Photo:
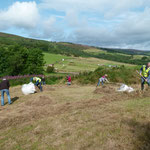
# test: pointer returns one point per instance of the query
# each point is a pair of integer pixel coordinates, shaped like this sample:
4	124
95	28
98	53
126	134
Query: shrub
50	69
121	75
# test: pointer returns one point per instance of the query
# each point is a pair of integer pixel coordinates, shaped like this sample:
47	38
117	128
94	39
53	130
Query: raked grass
70	118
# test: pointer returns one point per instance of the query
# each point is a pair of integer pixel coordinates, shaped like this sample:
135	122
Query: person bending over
38	82
102	80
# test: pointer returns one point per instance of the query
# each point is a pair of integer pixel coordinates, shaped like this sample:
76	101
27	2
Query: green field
54	58
77	64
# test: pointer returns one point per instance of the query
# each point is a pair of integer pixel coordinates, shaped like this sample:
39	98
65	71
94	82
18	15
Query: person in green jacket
145	73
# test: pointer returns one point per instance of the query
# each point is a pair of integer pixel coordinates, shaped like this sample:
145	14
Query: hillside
69	49
76	118
125	51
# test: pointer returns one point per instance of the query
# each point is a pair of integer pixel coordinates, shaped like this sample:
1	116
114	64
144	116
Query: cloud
49	30
105	22
74	20
136	24
21	15
130	32
98	6
94	36
109	23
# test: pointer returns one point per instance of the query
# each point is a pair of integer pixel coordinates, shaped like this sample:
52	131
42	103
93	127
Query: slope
77	117
77	50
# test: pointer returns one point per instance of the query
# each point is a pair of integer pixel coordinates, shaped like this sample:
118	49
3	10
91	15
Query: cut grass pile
76	118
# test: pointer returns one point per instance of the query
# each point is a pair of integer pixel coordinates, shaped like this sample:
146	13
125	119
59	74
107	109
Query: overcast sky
106	23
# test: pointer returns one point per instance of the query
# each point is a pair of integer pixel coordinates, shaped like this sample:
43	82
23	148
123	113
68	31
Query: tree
35	61
18	60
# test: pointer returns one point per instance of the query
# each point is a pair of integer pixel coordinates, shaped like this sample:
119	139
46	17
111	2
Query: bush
121	75
53	79
50	69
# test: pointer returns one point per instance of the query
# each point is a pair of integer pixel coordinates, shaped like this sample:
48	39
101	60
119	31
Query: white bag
28	89
124	88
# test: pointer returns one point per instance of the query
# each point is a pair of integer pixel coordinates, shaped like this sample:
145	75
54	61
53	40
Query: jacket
4	85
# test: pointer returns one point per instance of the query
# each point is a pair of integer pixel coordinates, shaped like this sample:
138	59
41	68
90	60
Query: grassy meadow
78	64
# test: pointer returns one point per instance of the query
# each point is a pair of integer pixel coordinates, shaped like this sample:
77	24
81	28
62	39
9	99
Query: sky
103	23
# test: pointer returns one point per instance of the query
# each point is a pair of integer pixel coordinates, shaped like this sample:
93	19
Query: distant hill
70	49
125	51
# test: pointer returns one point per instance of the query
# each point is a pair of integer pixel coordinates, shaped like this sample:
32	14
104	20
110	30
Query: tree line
19	60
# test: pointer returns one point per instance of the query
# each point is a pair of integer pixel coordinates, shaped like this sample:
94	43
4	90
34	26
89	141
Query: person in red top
68	80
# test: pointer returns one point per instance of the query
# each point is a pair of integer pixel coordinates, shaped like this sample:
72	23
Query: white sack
28	89
124	88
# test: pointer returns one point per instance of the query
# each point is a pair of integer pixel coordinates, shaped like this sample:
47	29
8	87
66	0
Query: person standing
4	88
145	73
68	80
43	80
102	80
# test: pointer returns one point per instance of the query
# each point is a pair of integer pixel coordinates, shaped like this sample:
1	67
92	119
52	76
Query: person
4	88
43	80
68	80
102	80
38	82
145	73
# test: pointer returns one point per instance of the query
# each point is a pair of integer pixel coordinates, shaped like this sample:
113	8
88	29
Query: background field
78	64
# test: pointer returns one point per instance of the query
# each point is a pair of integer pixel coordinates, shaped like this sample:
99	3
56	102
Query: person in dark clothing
43	80
4	88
